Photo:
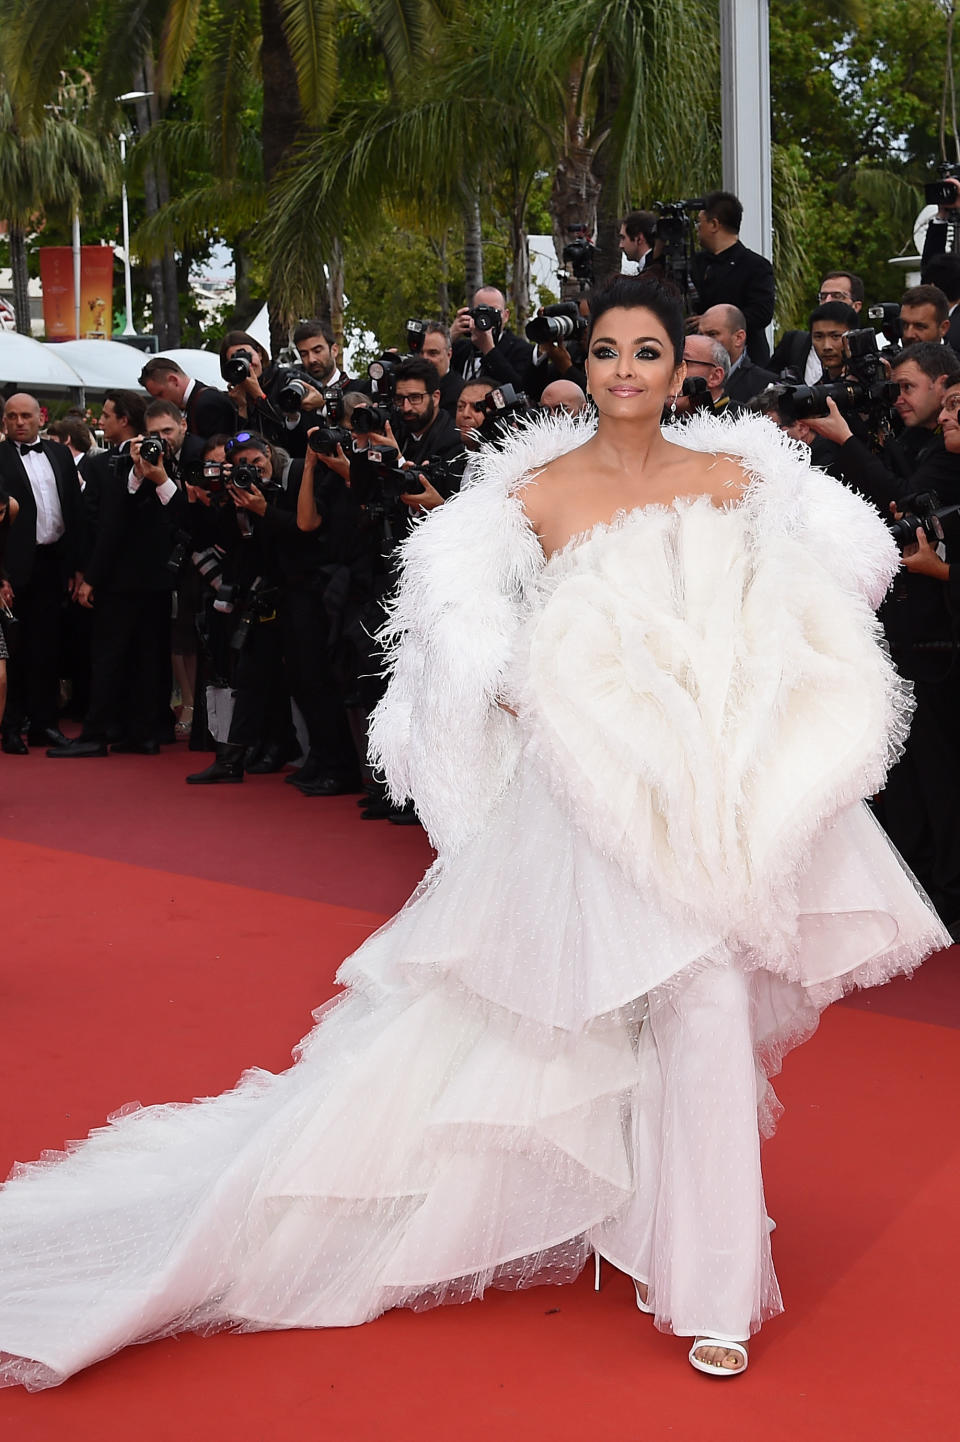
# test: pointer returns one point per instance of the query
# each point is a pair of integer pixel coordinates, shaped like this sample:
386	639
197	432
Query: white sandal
642	1305
712	1369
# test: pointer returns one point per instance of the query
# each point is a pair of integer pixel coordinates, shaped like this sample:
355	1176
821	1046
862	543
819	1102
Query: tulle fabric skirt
514	1076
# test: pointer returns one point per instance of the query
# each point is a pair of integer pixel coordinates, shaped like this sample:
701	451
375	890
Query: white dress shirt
43	483
165	492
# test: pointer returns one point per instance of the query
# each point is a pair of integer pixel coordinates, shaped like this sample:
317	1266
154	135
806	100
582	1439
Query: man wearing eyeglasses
708	359
795	351
426	431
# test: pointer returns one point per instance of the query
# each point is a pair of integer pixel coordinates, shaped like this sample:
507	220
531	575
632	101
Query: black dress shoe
13	744
136	748
376	811
403	816
328	786
46	736
79	747
271	759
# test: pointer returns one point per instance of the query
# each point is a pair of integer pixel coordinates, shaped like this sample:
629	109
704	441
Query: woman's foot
718	1358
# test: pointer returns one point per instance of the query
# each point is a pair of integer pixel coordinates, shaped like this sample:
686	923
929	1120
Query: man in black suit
128	582
795	351
164	419
638	231
494	351
208	411
43	558
725	272
728	325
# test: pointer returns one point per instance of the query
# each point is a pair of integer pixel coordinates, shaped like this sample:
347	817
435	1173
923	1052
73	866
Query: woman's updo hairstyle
635	292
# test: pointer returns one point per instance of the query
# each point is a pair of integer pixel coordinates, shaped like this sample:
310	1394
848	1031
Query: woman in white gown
637	694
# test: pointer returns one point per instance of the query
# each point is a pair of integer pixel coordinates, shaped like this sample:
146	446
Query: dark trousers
33	673
919	807
261	711
313	683
130	663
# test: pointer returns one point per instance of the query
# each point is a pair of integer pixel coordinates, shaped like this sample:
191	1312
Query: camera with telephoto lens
557	324
580	254
696	388
383	373
938	192
923	511
325	440
238	368
154	450
416	334
366	419
295	382
864	389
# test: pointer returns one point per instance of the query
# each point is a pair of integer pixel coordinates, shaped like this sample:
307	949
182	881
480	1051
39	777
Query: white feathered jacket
711	798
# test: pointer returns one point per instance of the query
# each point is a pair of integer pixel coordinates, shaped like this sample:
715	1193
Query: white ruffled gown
563	1040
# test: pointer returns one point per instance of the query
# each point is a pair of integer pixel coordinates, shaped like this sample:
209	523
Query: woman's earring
673	406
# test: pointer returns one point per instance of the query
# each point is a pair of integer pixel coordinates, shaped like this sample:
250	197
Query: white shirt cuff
166	492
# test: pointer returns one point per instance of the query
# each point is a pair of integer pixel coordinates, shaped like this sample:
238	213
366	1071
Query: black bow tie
37	446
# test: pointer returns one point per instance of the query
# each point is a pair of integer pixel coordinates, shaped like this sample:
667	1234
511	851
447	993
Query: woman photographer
250	392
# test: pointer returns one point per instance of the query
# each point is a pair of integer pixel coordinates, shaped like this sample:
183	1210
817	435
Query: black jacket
740	277
441	441
791	353
136	535
22	542
210	412
506	363
747	381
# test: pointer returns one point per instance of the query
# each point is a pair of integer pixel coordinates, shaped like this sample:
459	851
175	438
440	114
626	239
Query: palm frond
310	30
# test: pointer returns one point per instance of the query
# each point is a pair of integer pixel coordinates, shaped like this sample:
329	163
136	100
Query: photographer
924	314
437	348
182	451
298	393
916	459
426	432
709	360
483	344
557	332
471	412
725	272
245	367
238	538
795	353
128	581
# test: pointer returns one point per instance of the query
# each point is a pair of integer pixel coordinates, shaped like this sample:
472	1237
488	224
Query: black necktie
38	446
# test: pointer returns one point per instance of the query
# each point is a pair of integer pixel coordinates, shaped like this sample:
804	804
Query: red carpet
160	939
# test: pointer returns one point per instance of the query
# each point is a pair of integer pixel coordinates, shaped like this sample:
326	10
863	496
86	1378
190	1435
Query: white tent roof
104	364
28	362
203	365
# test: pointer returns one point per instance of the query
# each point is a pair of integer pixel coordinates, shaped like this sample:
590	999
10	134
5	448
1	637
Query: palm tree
56	162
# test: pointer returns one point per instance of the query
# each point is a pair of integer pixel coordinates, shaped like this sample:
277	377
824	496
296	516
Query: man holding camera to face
128	580
482	344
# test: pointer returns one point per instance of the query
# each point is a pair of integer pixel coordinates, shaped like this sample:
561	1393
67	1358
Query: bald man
728	325
563	396
493	350
43	558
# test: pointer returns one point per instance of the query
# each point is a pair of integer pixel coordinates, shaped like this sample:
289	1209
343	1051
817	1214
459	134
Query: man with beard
427	432
320	358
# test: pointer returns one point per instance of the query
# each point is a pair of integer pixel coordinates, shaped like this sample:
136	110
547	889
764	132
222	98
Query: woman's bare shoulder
550	483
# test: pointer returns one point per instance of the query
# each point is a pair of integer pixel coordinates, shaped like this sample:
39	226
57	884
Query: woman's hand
249	500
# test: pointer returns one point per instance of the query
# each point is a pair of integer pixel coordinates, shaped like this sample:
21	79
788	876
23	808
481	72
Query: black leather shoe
270	760
136	748
228	766
79	747
47	736
328	786
403	816
376	811
13	744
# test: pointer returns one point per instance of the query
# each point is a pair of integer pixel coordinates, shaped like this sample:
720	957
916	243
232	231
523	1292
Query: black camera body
154	450
383	374
238	368
696	388
325	440
557	324
923	511
294	384
244	476
366	419
503	406
580	254
487	317
938	192
865	389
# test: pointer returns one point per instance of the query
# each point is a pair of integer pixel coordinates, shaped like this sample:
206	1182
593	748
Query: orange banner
96	292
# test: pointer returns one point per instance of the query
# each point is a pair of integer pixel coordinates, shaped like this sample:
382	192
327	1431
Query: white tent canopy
27	362
103	364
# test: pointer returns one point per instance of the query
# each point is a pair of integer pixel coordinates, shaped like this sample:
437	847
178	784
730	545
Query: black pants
313	683
34	679
130	663
261	711
919	807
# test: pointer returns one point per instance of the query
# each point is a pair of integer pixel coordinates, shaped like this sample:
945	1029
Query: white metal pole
745	112
76	274
129	328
